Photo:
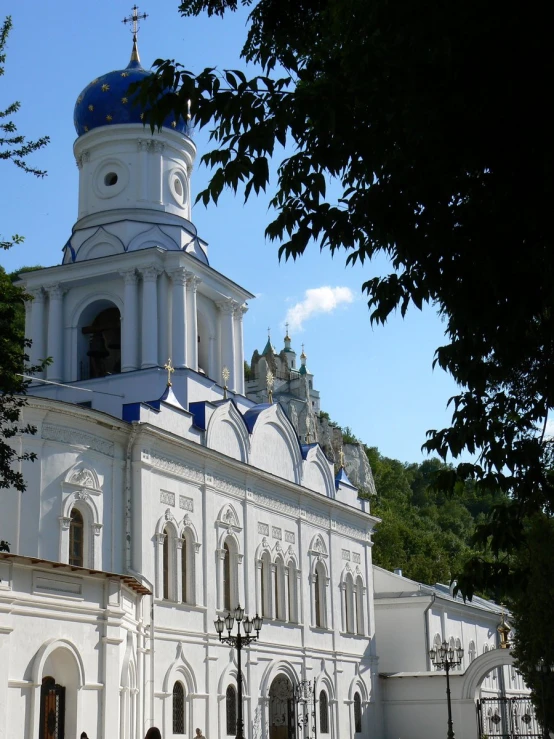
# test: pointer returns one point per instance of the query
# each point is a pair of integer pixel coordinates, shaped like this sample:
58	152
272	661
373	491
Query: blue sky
377	380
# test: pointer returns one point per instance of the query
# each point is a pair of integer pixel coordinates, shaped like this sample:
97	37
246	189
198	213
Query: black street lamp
543	668
238	641
447	657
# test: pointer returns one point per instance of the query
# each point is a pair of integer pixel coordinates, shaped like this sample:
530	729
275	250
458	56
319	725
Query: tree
16	148
434	137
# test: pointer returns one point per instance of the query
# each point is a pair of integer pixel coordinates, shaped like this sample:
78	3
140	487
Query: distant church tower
135	286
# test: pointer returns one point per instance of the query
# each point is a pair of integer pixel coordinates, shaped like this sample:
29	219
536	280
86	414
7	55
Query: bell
97	348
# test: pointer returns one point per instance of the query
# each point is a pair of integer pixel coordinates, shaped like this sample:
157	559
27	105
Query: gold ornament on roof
308	429
225	374
341	457
170	370
303	355
504	630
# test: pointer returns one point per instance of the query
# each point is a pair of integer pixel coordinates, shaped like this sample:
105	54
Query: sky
377	380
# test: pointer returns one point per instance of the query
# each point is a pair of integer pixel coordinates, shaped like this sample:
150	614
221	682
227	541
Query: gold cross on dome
170	369
134	18
341	457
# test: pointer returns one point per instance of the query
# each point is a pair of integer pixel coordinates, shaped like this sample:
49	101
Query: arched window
102	341
323	713
357	713
52	709
231	705
266	585
349	609
471	651
227	578
436	645
76	539
458	646
185	587
178	708
319	596
292	595
166	564
280	606
359	597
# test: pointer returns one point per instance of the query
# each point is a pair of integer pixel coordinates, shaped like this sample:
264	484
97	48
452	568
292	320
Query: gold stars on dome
105	87
124	100
91	107
79	99
94	81
125	74
109	118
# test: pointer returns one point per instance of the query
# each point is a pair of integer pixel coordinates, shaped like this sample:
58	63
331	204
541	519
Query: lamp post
238	641
543	668
447	657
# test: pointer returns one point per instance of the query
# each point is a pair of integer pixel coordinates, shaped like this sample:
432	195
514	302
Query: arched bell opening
99	341
203	345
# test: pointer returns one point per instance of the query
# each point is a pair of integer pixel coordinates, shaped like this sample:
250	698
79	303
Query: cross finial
170	370
308	429
225	374
134	19
341	457
270	381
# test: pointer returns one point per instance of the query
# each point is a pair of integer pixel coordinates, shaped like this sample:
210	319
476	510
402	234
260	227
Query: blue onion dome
107	102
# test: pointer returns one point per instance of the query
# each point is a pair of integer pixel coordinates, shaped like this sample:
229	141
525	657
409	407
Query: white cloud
317	300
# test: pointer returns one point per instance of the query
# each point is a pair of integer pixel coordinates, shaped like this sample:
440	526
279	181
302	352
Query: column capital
150	274
193	281
83	157
37	294
179	276
179	543
55	291
227	305
130	276
160	538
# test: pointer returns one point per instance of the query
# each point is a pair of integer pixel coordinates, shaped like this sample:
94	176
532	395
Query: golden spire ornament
225	374
269	381
308	429
170	370
134	19
341	457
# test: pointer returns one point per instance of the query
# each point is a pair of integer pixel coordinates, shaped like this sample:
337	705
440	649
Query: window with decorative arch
178	708
229	574
292	593
169	563
357	713
188	589
76	538
265	585
359	605
319	586
323	713
437	642
472	652
231	710
458	645
280	601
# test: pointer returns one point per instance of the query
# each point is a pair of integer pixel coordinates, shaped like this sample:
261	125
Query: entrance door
281	709
508	718
52	710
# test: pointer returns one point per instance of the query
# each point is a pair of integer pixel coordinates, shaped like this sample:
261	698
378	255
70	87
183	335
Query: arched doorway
52	710
282	723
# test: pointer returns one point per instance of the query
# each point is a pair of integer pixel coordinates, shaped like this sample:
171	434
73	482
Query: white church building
162	495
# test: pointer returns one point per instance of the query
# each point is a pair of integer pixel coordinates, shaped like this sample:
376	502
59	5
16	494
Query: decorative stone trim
263	529
276	532
76	437
186	504
167	497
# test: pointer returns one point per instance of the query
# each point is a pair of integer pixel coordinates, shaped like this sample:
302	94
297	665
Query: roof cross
134	19
170	369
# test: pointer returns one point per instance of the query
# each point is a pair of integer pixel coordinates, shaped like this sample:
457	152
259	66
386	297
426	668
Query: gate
507	718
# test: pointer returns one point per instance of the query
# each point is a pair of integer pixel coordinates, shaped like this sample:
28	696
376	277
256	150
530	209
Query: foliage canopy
433	130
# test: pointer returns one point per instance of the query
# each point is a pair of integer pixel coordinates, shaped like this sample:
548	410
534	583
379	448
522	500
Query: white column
129	332
36	332
192	286
5	632
149	317
179	317
227	332
212	364
142	179
163	319
240	310
55	333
